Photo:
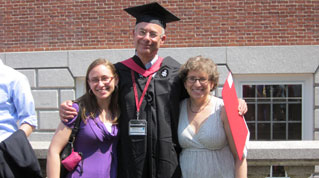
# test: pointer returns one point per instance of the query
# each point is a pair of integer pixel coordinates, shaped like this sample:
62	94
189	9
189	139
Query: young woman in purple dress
98	134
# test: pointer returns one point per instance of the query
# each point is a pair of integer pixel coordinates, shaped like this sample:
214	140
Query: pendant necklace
201	109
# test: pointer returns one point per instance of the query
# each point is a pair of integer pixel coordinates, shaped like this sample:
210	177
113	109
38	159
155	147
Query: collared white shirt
16	101
150	64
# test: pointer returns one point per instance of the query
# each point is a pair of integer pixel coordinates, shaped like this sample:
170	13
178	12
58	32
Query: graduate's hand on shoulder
67	111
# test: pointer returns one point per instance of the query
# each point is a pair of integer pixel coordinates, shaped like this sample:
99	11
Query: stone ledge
298	157
283	153
38	59
283	150
272	59
268	152
40	148
37	136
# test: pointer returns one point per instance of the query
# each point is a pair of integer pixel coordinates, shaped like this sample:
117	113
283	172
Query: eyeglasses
104	79
143	33
192	80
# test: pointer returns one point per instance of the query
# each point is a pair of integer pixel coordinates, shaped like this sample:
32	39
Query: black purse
68	150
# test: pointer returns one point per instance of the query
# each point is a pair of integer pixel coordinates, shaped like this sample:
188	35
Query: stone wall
56	76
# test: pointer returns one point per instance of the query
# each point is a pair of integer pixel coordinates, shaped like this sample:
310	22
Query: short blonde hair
199	63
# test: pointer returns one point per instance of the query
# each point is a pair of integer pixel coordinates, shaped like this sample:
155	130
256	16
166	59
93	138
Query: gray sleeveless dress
205	154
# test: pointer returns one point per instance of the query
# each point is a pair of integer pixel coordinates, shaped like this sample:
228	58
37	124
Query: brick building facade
30	25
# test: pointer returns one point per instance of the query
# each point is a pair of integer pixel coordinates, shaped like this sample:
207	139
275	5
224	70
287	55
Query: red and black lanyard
146	73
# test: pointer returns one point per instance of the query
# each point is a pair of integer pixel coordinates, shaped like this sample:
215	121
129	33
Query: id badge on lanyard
138	127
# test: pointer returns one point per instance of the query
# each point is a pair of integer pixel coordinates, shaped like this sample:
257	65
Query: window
274	111
280	107
277	172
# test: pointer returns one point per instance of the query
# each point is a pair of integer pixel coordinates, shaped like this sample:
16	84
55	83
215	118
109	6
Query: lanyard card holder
137	127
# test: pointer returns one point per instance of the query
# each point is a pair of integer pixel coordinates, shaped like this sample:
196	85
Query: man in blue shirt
16	103
17	121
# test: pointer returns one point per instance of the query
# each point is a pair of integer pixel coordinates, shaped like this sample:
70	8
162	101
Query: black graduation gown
154	155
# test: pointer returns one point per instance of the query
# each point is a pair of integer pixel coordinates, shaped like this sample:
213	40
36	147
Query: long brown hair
88	101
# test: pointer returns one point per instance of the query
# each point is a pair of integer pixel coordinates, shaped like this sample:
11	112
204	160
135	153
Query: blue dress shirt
149	65
16	101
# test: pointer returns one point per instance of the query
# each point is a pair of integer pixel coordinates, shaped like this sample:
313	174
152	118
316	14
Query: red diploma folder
237	123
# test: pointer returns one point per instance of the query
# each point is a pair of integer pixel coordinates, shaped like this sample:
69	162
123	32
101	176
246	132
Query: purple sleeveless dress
98	146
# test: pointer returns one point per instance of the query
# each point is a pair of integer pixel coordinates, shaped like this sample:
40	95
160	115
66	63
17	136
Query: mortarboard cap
152	13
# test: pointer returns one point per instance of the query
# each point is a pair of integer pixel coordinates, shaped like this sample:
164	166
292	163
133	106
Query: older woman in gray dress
208	149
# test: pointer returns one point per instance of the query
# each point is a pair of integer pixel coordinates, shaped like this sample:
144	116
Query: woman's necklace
201	109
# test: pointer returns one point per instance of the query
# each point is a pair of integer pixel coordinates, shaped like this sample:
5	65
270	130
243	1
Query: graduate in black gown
148	144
